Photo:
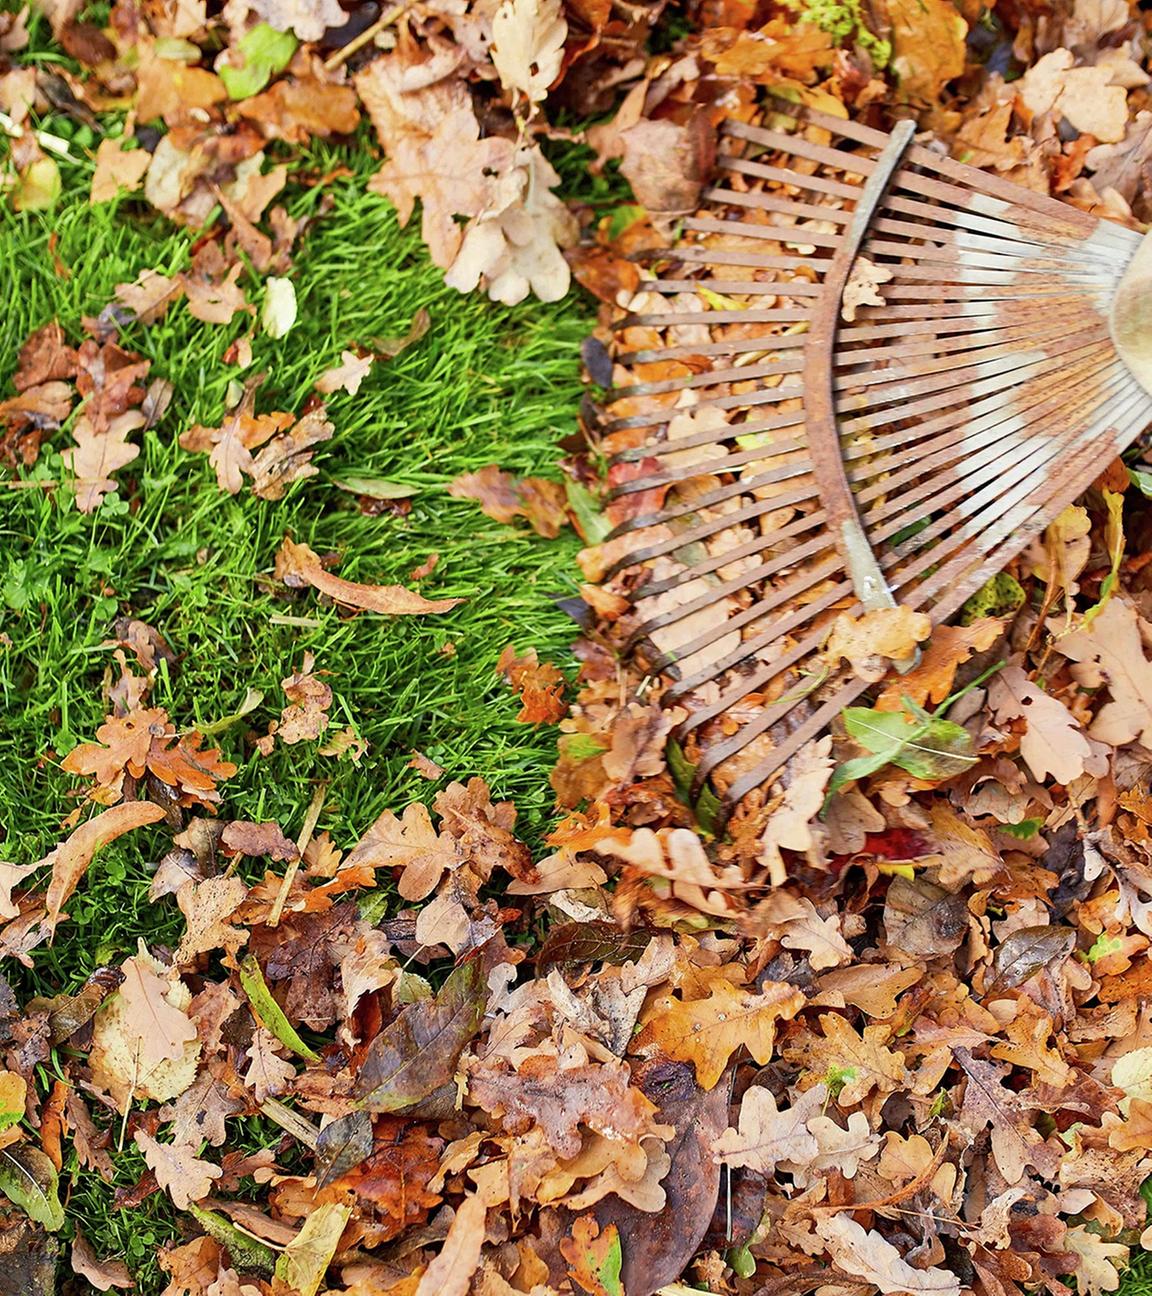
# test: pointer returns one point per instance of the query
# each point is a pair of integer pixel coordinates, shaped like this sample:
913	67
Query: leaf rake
810	455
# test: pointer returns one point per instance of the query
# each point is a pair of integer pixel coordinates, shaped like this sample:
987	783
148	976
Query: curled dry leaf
504	497
70	860
297	565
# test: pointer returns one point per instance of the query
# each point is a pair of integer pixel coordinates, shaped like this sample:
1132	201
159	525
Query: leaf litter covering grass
175	552
933	1034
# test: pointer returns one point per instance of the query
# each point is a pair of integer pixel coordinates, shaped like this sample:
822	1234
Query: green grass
486	384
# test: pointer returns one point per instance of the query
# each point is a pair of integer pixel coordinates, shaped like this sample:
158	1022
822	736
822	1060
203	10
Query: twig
300	1127
310	821
345	52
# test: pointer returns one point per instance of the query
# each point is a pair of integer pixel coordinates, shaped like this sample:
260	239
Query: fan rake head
867	375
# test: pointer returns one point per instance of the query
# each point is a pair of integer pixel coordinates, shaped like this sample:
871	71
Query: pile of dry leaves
890	1033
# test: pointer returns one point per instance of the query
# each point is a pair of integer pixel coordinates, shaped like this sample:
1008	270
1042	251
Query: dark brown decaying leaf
1027	951
418	1052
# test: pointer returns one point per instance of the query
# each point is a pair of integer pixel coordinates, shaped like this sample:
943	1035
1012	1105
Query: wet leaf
342	1145
28	1179
418	1052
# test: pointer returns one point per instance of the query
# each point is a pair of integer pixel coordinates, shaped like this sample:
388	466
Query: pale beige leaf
768	1136
178	1170
528	44
1113	641
863	1253
1101	1262
206	907
1053	743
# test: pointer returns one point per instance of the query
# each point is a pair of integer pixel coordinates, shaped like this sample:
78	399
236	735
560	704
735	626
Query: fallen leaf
304	1261
418	1052
298	565
595	1257
104	1275
503	497
143	1042
864	1253
948	648
1113	643
527	45
177	1169
70	860
117	169
708	1031
347	375
766	1136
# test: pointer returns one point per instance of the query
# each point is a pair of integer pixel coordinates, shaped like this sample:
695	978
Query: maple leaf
708	1031
864	1253
541	687
297	565
1113	643
767	1136
177	1169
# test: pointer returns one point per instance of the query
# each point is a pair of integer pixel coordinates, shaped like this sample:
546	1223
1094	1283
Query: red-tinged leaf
418	1052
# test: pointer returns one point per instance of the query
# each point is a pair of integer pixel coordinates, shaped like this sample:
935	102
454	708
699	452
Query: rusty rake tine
973	342
744	229
847	693
775	634
653	589
703	255
979	275
999	463
791	468
739	287
927	254
659	548
993	502
1010	513
710	436
664	619
671	319
744	373
941	396
909	381
1077	476
780	206
762	171
949	429
713	468
658	417
986	424
737	346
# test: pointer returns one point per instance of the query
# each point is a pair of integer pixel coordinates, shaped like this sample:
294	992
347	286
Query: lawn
485	384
